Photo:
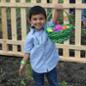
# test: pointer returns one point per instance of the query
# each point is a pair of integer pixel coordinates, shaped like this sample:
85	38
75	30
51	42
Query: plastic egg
49	29
64	27
57	27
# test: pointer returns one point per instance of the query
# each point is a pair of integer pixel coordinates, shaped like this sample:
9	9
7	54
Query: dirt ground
72	73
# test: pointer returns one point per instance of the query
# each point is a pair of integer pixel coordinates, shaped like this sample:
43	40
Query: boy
40	49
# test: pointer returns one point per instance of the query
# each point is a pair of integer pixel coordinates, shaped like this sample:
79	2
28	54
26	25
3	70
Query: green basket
61	35
62	32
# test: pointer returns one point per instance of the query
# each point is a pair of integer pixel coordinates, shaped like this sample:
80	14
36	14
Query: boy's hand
21	70
58	7
23	64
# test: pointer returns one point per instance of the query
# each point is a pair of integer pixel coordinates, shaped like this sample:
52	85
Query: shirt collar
32	27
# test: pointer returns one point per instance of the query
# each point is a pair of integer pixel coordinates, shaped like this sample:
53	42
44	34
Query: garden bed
69	74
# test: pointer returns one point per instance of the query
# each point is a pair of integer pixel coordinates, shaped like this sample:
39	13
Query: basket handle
69	17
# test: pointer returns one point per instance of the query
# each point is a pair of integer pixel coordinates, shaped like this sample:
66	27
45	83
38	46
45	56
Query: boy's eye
41	18
35	19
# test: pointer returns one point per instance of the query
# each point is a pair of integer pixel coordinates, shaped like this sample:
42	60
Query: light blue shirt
43	53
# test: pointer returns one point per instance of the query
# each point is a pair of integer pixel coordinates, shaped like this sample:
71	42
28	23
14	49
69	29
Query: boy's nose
38	20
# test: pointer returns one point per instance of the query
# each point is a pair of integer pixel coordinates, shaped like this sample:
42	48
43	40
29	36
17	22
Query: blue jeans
51	77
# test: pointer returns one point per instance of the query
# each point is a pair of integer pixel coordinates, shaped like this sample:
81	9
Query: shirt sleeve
28	45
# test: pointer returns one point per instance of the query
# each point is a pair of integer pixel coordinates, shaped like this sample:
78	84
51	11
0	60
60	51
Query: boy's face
38	21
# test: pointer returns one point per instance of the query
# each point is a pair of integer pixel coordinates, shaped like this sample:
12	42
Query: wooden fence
13	28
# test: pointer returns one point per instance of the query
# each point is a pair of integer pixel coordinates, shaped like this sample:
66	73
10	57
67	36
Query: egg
57	27
49	29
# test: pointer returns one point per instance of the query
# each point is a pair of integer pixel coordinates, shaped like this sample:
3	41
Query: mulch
72	73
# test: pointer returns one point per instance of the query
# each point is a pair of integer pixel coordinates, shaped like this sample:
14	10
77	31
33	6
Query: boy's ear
28	21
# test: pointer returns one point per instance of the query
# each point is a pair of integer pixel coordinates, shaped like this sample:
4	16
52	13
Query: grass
29	72
63	83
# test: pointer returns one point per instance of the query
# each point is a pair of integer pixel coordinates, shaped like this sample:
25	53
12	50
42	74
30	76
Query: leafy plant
64	83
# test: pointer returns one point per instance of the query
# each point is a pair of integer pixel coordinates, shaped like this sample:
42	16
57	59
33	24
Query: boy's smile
37	21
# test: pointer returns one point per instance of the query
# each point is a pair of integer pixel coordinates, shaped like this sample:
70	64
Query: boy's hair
36	10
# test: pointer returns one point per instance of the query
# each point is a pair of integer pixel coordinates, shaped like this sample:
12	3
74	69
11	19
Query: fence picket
65	50
4	27
13	25
23	23
78	29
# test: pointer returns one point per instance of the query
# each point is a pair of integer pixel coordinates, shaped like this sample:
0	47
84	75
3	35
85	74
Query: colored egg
64	27
49	29
57	27
68	26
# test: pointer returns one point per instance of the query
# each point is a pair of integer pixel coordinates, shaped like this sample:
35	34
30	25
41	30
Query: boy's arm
57	13
22	66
